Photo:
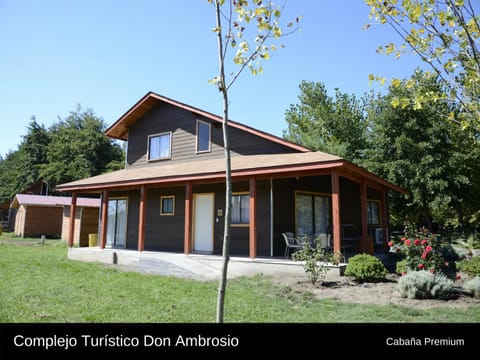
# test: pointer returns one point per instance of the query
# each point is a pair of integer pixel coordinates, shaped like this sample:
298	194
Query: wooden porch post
336	211
141	218
73	211
384	217
103	230
252	232
364	216
187	240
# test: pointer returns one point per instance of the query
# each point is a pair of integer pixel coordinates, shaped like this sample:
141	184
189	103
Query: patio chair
290	243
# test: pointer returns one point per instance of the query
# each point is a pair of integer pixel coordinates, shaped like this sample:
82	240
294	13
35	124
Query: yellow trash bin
92	240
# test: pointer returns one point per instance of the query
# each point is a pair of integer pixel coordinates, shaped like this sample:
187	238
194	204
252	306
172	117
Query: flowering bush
422	252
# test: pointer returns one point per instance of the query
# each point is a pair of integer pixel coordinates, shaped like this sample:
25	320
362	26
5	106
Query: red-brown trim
142	211
252	231
73	211
103	230
335	181
146	102
187	241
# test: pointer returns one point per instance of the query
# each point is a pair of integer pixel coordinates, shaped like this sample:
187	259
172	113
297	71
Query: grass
39	284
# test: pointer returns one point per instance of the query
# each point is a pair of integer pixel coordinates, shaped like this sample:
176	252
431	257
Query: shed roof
41	200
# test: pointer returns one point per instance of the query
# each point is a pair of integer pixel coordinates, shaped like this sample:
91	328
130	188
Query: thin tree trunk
222	286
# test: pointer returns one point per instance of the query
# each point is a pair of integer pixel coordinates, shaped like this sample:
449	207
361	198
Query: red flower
404	238
407	242
428	248
417	242
446	263
424	242
421	266
424	255
432	271
390	243
457	277
404	273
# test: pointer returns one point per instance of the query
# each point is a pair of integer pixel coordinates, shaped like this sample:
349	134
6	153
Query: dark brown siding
43	220
263	218
350	206
283	213
182	124
165	232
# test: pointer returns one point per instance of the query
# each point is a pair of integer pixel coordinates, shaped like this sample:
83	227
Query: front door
203	223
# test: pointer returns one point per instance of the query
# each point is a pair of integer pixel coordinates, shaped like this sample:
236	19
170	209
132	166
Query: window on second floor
203	136
159	146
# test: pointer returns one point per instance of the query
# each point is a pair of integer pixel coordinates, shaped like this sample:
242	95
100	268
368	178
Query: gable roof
41	200
214	169
119	130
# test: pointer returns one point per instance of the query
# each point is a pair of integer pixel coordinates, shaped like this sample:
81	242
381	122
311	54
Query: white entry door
203	222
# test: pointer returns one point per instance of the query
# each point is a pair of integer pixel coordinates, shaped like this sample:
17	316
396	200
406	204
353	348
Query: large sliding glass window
117	223
313	213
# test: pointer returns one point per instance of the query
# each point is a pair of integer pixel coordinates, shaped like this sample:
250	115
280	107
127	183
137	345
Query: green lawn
39	284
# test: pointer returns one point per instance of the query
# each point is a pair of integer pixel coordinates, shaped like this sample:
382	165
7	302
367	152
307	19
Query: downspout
271	217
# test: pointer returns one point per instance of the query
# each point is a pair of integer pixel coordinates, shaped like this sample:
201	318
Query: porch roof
270	165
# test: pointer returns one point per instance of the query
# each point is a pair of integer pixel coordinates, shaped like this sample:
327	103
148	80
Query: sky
106	55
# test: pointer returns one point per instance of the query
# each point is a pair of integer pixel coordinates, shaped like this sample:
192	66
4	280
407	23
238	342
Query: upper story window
203	136
159	146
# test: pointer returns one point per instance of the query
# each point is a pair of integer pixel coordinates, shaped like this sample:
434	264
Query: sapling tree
247	33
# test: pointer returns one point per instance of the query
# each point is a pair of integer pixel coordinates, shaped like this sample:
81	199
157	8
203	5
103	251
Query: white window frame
169	156
209	137
163	197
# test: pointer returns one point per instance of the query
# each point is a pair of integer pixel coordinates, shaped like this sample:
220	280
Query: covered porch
273	194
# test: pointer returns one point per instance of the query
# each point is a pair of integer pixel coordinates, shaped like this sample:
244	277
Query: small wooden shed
37	215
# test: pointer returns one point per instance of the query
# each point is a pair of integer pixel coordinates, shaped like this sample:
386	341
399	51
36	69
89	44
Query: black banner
60	340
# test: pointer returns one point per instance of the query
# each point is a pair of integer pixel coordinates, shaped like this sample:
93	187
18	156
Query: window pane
240	209
159	147
203	136
322	214
304	215
373	213
167	205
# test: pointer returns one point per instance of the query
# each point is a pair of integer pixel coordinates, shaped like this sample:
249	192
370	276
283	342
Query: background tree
20	168
79	148
333	125
445	35
248	30
434	159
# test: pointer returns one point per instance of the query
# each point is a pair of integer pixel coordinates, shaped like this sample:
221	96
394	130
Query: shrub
366	268
425	285
314	262
423	251
473	286
401	266
470	266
